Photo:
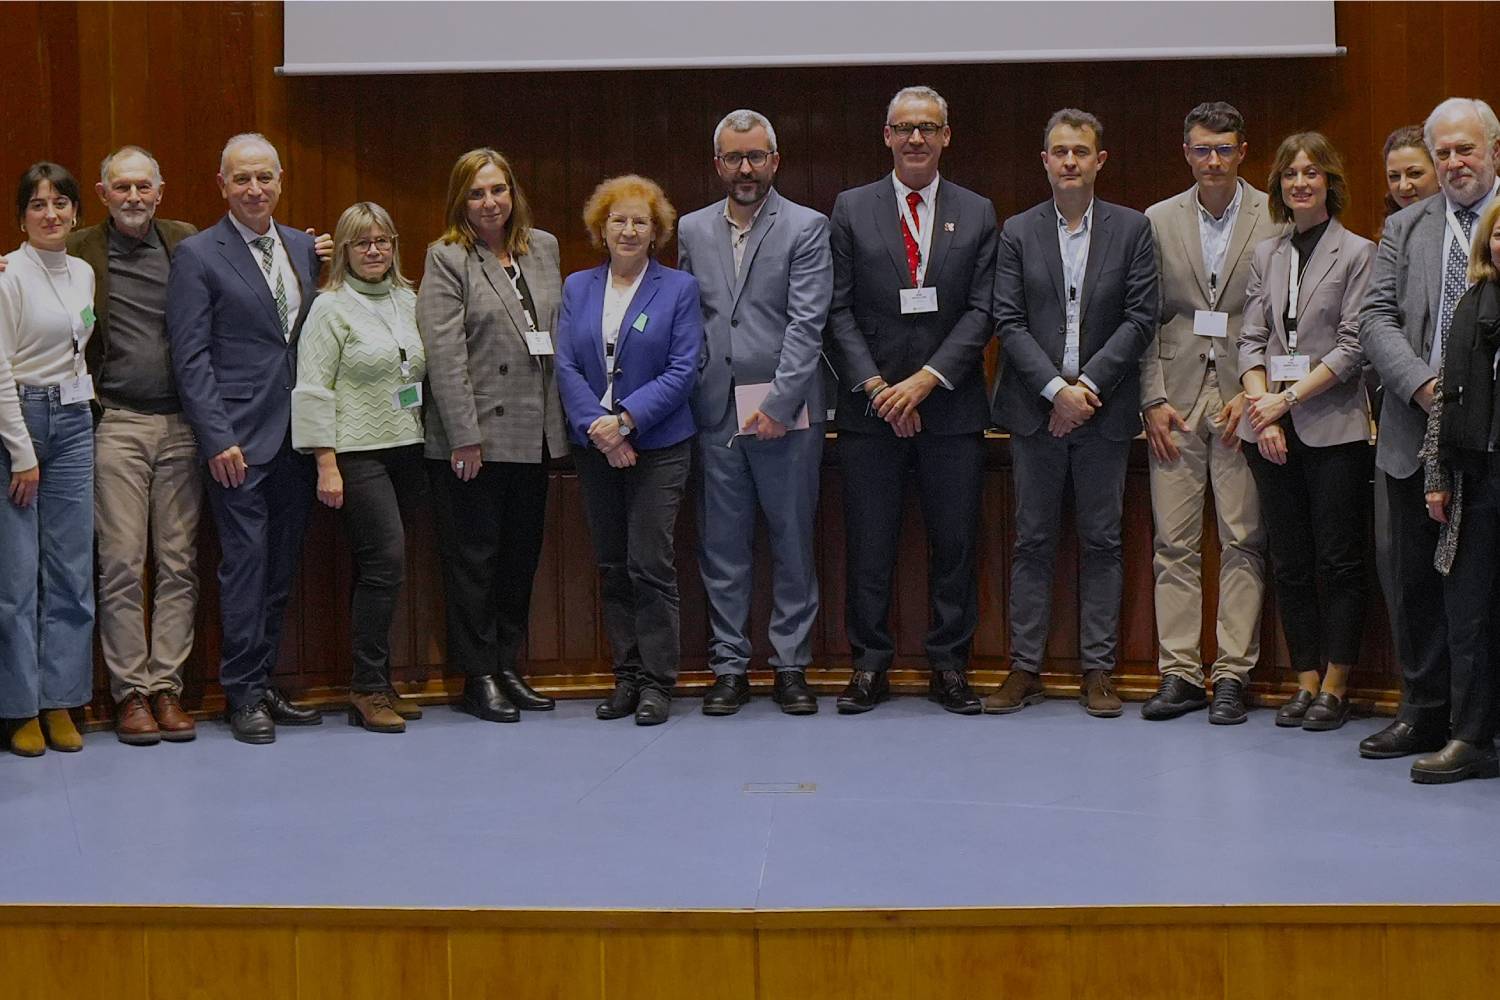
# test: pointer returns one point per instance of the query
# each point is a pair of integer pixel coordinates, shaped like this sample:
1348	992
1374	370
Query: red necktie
913	256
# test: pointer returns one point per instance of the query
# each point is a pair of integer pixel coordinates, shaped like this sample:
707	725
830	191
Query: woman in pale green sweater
358	408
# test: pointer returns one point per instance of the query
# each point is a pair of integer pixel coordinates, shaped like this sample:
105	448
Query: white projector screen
441	36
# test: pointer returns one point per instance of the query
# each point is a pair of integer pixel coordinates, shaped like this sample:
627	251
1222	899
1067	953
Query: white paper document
749	398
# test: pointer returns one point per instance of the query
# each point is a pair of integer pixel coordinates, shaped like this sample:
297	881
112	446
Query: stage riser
1435	954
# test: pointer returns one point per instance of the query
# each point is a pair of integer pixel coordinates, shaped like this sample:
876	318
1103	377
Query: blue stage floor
911	807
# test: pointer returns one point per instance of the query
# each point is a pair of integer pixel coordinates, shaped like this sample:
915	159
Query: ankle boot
520	694
373	710
61	733
26	738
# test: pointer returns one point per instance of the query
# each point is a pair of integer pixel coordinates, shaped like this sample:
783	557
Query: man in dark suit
236	299
913	281
1075	308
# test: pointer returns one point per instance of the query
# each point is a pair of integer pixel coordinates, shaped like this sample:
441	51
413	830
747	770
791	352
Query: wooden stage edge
1037	953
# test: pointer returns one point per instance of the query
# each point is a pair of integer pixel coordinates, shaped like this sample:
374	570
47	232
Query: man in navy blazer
236	299
1075	309
765	277
913	283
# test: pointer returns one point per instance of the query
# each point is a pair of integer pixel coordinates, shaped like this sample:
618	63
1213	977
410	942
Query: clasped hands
1072	407
1266	408
897	404
604	432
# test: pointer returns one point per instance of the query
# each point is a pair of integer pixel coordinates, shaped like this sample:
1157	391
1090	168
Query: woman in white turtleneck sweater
47	462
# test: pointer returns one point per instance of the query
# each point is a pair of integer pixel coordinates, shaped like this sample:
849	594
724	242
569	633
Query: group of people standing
1249	333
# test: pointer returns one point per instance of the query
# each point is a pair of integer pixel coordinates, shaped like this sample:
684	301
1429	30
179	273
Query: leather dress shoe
1021	688
252	723
728	693
483	700
1327	712
1097	695
521	694
1455	762
284	713
792	693
1289	715
950	688
621	702
1228	708
175	724
1175	696
865	690
653	709
135	726
1401	739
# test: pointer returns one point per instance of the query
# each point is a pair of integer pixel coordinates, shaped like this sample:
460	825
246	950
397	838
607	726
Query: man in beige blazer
1191	404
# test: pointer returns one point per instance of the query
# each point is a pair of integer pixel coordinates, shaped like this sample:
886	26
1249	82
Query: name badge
539	342
1288	367
1207	323
87	315
78	389
408	397
640	322
918	300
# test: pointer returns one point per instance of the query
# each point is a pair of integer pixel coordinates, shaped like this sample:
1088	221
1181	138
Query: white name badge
78	389
539	342
918	300
1207	323
408	397
1288	367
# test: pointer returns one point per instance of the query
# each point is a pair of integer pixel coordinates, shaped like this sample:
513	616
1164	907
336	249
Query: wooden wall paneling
833	635
526	964
1006	963
679	965
582	635
838	965
101	962
220	963
98	82
1415	969
165	129
335	963
1137	642
1129	962
1349	962
991	638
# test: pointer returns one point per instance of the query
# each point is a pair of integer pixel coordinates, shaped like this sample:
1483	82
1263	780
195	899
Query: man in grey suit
1191	402
765	277
1420	273
1075	309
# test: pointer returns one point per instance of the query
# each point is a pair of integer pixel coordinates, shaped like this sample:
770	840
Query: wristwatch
1290	395
625	428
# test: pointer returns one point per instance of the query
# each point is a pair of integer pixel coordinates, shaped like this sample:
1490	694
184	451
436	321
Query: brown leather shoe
404	707
1021	688
26	737
372	710
134	724
175	724
57	724
1097	696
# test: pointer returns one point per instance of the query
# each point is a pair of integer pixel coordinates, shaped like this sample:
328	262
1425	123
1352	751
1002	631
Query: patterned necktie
1455	272
913	255
267	247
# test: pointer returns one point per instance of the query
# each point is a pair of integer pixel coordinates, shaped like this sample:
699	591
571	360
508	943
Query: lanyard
1076	265
1291	303
391	325
75	319
1458	234
515	284
922	234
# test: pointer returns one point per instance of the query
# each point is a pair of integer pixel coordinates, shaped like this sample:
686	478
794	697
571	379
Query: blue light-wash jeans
47	564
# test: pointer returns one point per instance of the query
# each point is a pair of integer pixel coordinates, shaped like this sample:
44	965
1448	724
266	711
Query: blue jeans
47	555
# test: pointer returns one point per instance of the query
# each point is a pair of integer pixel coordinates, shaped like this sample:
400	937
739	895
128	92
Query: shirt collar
928	193
735	225
1088	219
1229	213
126	242
249	235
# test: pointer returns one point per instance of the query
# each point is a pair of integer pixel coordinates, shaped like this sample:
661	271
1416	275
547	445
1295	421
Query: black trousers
1317	509
1420	621
875	468
1471	594
632	515
490	536
382	491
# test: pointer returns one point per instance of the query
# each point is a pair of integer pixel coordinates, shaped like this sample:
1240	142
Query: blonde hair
1481	263
663	215
461	180
353	224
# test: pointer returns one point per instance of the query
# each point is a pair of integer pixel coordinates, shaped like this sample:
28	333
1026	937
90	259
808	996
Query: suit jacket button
734	322
504	369
1203	357
499	411
728	360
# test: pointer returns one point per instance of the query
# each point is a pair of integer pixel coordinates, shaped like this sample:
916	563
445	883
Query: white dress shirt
1214	235
279	259
1074	247
924	217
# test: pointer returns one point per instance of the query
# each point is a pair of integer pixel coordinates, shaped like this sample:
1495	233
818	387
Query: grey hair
744	120
109	161
921	93
248	139
1454	105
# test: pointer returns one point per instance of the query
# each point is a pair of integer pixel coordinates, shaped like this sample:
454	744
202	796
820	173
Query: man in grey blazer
765	277
1191	402
1420	273
1075	309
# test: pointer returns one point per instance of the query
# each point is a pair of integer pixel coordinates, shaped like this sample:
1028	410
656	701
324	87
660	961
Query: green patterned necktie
267	247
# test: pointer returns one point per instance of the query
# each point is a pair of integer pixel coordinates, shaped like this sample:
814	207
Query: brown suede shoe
404	707
134	724
26	737
175	724
57	724
372	710
1021	688
1097	696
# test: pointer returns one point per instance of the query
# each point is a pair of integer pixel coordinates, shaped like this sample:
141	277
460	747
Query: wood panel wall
179	78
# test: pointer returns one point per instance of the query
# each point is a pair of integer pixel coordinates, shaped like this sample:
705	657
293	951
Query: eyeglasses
381	243
905	129
757	158
619	223
1202	152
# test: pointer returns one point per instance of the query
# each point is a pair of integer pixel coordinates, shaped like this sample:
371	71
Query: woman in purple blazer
628	340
